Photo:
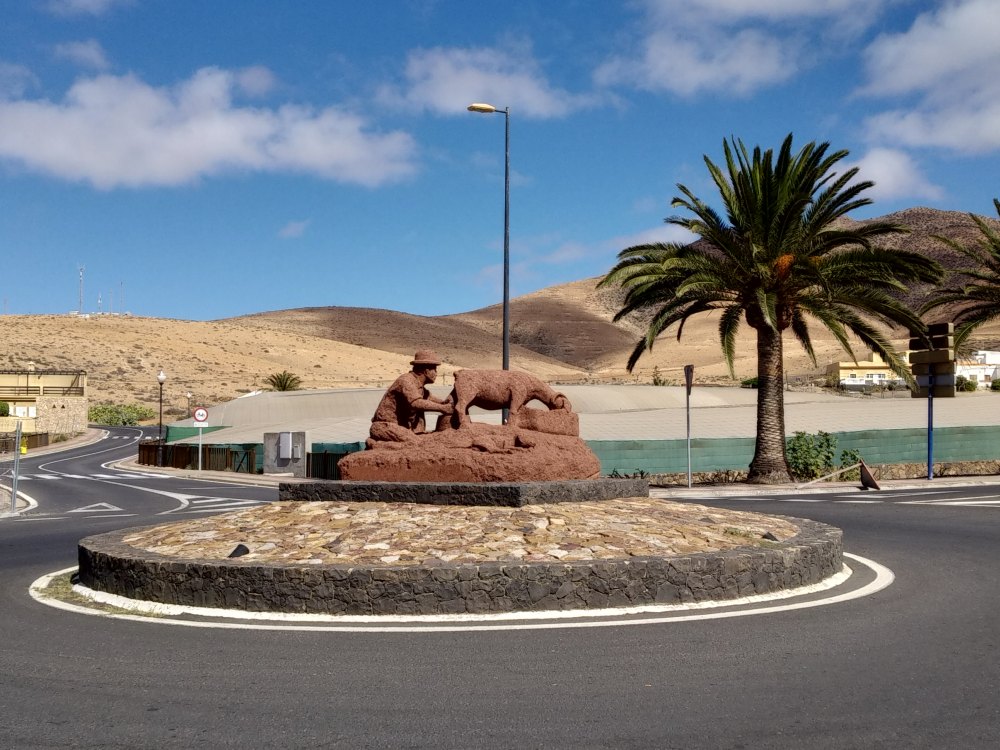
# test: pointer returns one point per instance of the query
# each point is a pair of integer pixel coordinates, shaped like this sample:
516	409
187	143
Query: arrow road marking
96	508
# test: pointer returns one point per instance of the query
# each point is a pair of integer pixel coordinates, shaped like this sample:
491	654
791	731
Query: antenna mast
80	308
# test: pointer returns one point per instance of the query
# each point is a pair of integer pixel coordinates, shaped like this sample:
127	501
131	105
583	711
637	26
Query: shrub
283	381
849	458
995	385
748	383
119	415
5	408
810	456
658	378
970	386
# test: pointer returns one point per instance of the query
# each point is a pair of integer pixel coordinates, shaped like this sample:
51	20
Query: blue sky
209	159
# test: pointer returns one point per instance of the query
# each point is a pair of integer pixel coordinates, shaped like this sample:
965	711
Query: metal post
159	434
930	423
506	249
689	436
17	460
688	381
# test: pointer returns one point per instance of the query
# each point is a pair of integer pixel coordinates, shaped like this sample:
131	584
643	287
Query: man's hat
425	357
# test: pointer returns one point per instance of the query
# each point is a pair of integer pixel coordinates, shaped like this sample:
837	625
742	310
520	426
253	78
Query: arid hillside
562	333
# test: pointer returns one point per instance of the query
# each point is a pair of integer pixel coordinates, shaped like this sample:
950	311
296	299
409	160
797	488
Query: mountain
562	333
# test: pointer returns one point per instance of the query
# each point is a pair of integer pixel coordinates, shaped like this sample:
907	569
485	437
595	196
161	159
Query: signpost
200	417
688	381
933	363
17	457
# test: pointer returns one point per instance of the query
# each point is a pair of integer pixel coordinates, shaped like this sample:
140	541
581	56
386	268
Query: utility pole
80	308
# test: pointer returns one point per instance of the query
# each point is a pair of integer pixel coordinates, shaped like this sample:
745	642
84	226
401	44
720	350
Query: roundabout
60	590
413	559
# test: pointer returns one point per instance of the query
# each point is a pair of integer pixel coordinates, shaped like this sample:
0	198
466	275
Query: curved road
915	665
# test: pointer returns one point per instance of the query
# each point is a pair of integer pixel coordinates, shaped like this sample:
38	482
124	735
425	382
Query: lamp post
490	109
161	379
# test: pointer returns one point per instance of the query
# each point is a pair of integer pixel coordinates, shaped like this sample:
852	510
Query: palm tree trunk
769	465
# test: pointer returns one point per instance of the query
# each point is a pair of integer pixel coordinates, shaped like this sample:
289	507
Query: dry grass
562	333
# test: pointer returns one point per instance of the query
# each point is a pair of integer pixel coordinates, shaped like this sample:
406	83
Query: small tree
4	409
283	381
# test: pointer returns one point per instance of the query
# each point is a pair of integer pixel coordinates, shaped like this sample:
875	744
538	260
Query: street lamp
161	379
490	109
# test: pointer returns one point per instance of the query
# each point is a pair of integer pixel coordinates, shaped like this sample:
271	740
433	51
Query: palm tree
779	260
283	381
975	294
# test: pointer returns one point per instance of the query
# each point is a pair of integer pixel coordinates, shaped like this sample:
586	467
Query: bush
995	385
119	415
970	386
748	383
849	458
658	378
5	408
810	456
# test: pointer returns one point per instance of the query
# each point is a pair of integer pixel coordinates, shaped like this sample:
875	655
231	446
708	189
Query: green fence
875	446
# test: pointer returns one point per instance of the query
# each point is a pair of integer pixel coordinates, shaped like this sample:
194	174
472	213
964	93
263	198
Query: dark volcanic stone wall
108	564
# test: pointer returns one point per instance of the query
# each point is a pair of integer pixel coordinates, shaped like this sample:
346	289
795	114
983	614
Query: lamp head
481	107
162	377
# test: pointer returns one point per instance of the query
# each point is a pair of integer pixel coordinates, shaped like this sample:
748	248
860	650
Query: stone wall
108	564
506	494
61	415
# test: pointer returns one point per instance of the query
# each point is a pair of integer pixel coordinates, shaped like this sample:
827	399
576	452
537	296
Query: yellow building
51	401
865	373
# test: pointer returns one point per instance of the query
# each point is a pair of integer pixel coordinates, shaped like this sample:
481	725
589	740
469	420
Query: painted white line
41	518
972	503
32	503
883	578
96	507
801	499
113	515
860	502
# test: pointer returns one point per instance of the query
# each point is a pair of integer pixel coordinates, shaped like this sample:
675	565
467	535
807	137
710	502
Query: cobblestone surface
406	534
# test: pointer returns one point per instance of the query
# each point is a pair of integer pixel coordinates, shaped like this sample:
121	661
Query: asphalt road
913	666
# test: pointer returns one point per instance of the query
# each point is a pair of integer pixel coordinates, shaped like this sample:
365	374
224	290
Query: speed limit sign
200	414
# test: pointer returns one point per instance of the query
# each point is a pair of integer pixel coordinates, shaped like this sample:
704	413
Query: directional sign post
200	417
932	360
688	381
17	456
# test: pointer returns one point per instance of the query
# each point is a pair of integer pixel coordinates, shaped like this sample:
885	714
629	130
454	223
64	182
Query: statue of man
400	414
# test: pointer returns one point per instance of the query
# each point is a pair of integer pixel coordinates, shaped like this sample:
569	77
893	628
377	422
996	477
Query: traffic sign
932	357
200	414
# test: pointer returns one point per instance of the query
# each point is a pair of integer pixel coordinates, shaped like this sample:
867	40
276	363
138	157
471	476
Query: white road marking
861	502
883	578
102	507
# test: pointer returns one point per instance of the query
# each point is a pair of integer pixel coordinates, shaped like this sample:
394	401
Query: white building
982	369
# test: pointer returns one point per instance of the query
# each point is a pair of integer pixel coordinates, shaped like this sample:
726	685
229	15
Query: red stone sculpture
400	414
499	389
535	444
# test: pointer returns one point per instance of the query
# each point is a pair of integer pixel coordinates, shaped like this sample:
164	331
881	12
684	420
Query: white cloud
895	175
293	229
88	54
83	7
729	45
113	131
15	80
948	61
666	234
256	80
447	80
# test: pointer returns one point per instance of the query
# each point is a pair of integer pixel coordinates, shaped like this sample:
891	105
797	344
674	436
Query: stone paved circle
407	559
